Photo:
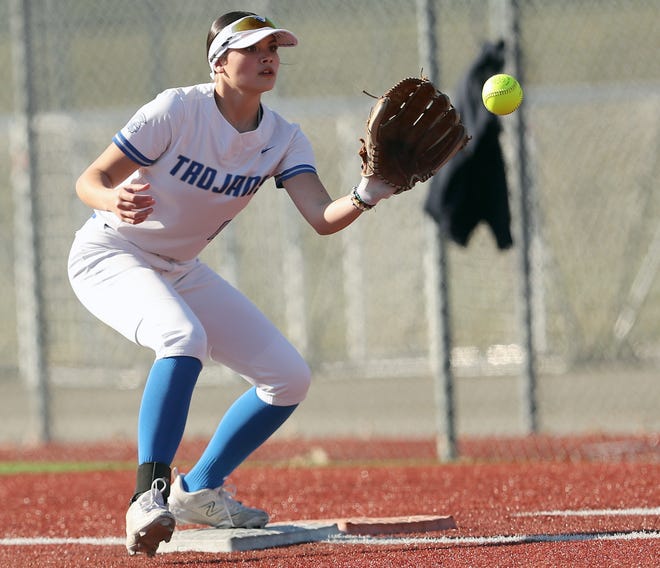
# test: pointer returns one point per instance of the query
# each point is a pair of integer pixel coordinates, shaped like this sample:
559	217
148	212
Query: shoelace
157	487
227	494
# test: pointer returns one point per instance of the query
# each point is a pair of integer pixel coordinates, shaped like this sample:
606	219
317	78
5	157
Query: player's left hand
372	189
412	131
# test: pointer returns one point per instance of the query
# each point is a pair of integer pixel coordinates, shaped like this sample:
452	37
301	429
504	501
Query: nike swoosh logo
266	149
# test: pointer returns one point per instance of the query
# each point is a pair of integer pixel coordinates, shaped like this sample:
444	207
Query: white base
233	540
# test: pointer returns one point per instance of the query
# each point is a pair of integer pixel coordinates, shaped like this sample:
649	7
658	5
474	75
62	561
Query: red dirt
484	498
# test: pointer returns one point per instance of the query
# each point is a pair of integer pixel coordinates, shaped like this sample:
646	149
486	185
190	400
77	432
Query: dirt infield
524	512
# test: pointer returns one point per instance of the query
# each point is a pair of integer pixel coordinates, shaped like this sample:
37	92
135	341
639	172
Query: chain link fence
359	304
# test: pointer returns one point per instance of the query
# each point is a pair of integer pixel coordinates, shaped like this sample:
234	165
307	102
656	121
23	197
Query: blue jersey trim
131	151
294	171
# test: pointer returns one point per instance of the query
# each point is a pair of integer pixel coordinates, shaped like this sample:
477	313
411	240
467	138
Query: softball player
171	180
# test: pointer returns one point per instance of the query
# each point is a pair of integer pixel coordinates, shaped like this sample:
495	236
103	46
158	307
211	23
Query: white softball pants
183	308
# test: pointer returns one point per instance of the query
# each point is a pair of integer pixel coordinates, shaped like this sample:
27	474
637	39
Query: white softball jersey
202	171
146	281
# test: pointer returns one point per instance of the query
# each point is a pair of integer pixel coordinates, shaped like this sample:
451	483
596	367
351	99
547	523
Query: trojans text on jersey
205	177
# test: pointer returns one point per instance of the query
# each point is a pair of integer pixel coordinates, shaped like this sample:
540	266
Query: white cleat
148	521
213	507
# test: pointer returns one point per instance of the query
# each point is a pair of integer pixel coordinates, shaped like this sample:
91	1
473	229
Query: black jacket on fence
472	187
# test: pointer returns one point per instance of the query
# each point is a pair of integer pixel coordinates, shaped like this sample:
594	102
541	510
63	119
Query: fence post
352	256
525	223
295	313
29	303
440	332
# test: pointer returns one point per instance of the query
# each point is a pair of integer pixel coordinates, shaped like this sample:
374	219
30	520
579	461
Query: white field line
349	539
374	540
638	511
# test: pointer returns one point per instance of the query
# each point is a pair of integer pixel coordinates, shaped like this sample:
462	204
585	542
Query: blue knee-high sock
248	423
164	407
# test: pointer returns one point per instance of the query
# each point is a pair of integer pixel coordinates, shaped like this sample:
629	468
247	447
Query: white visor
230	38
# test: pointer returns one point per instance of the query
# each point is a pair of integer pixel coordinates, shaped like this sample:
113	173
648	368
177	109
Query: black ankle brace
147	473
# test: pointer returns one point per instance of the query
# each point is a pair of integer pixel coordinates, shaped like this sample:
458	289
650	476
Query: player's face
254	68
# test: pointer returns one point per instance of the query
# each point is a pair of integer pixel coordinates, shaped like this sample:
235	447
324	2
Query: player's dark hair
221	22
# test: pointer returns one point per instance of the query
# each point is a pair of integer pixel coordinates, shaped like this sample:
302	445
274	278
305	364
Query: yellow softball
502	94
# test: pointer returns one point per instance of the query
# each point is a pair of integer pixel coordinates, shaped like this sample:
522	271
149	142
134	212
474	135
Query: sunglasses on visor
246	24
251	23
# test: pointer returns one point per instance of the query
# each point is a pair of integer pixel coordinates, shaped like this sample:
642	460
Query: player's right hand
131	205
